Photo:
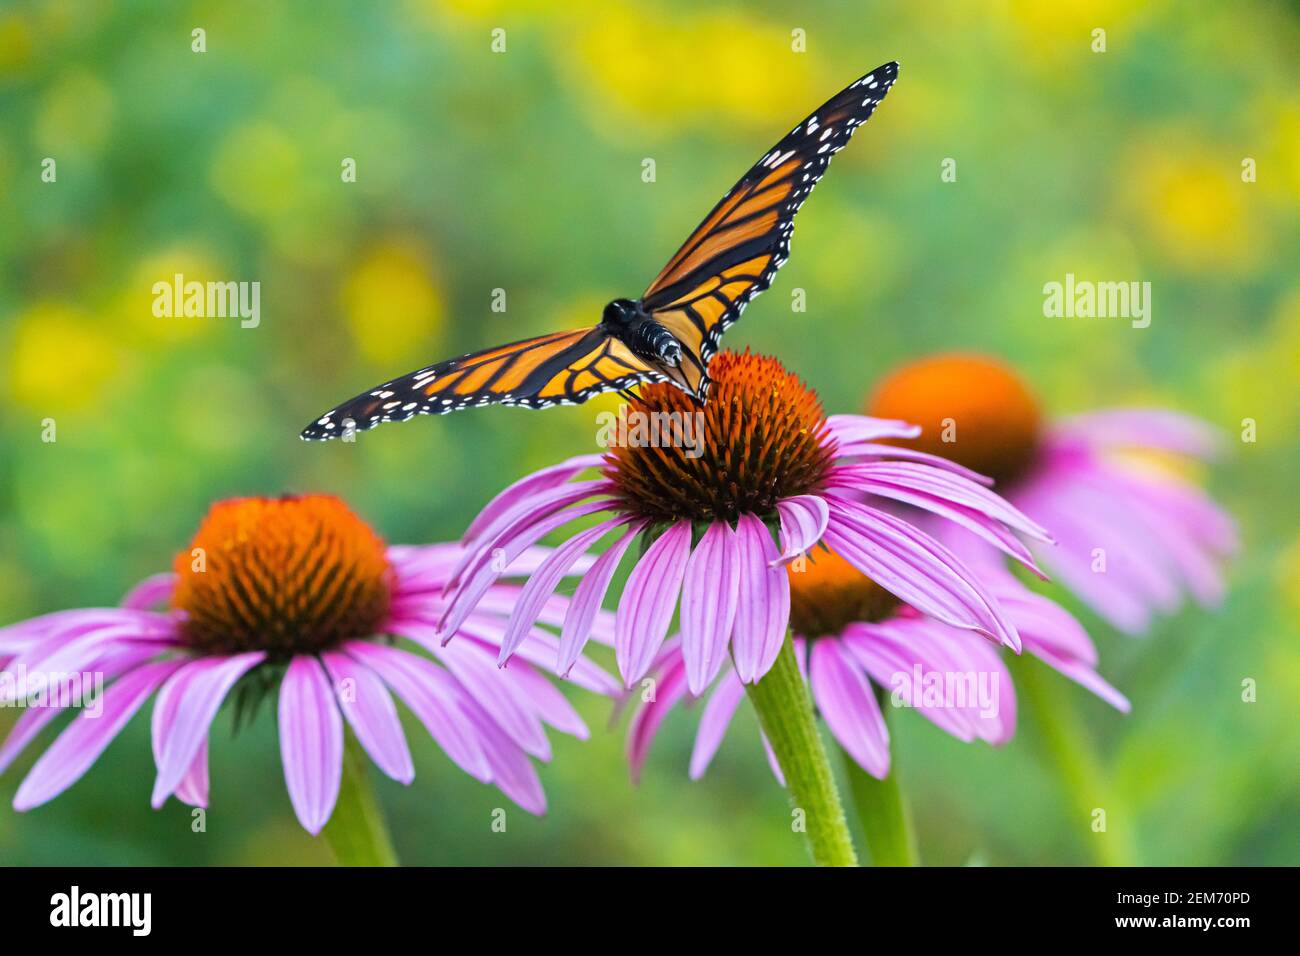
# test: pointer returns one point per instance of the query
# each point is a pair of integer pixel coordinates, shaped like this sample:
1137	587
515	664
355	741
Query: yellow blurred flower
74	115
15	43
1048	29
257	170
392	301
688	66
60	359
133	305
1192	204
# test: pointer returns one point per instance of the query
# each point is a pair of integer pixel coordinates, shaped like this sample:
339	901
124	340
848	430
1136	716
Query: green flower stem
357	832
786	716
1049	701
883	811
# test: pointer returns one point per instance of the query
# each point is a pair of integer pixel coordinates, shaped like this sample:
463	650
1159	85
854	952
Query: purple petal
848	705
714	722
193	788
1146	428
488	568
509	767
763	611
668	690
915	568
541	586
892	452
153	590
372	715
546	700
709	595
649	599
433	696
803	522
311	742
81	743
185	709
861	428
588	598
473	667
527	488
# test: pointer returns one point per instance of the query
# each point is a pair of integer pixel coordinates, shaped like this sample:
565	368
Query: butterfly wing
563	368
733	254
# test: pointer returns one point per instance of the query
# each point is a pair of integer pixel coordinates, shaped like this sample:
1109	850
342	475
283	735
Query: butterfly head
622	314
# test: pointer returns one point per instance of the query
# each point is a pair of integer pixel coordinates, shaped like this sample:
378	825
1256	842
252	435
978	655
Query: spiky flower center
972	409
760	437
827	594
283	575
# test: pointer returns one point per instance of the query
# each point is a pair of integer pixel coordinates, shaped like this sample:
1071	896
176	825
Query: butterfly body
672	331
638	329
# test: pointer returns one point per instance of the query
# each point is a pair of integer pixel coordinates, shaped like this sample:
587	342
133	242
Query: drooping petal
709	595
648	601
803	522
81	743
1146	428
311	742
510	769
527	488
474	669
861	428
588	598
193	788
543	582
848	704
916	568
763	611
490	566
714	722
668	690
433	696
546	700
184	711
371	713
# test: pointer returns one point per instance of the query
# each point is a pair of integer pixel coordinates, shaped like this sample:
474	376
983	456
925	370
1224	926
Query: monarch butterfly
672	331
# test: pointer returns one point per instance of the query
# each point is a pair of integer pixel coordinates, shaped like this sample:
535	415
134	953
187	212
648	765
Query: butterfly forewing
733	254
556	369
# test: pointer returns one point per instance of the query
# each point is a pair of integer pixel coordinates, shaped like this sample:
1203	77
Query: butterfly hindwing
563	368
733	254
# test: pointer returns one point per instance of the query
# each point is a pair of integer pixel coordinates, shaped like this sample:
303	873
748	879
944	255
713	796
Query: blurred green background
522	170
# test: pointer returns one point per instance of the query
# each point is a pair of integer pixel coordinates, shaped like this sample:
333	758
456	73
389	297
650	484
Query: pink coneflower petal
763	607
668	690
589	597
847	429
542	583
509	767
185	709
546	700
493	562
803	522
526	489
873	450
709	604
916	568
715	720
311	742
648	602
150	592
515	523
1085	676
541	649
372	715
432	696
81	743
1146	428
473	667
848	704
193	788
